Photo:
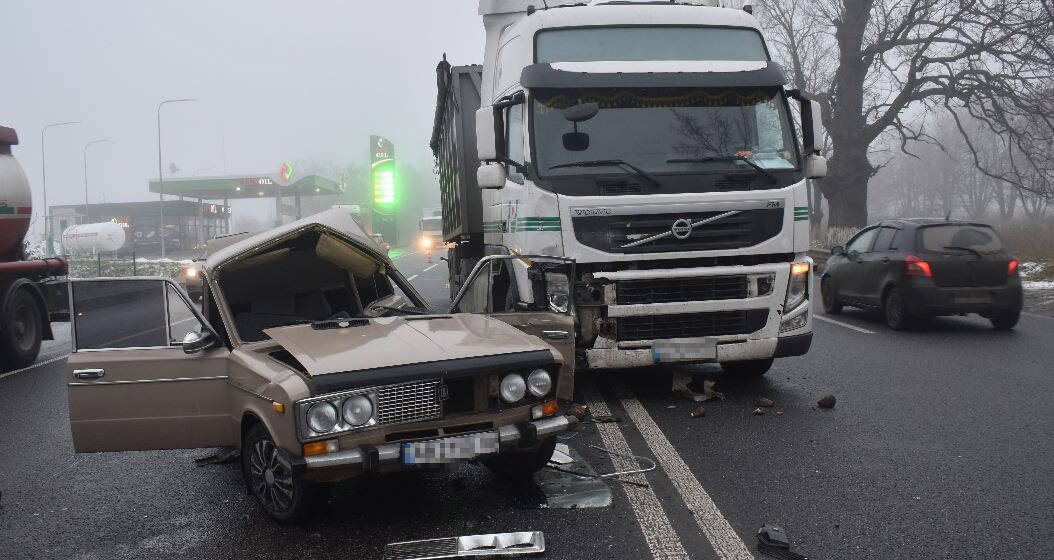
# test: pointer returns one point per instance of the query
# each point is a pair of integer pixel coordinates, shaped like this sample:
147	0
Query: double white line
658	532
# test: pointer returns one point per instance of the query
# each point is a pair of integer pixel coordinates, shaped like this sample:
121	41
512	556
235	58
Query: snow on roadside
1031	270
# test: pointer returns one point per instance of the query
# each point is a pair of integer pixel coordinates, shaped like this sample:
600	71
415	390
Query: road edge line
841	324
723	538
660	536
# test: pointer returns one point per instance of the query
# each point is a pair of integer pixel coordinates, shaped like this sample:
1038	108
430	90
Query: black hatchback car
915	268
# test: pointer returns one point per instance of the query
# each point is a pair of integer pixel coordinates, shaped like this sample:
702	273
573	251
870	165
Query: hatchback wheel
270	478
1006	320
829	296
895	310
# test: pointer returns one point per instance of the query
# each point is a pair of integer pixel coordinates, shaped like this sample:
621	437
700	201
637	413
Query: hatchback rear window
951	237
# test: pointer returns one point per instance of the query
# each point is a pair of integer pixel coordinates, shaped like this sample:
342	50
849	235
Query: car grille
687	325
610	233
409	402
696	288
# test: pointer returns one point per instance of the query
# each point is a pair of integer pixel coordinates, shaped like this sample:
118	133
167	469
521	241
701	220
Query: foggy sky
275	81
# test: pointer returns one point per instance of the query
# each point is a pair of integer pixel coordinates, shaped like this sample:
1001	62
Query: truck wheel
22	329
748	368
521	465
1005	321
283	495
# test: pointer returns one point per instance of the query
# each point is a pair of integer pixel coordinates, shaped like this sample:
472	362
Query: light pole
87	217
160	174
44	184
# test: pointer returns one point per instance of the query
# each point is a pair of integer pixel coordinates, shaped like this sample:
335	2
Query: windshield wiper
612	162
407	310
974	251
744	159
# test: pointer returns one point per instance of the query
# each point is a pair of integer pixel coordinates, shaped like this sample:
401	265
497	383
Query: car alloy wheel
895	312
829	297
270	479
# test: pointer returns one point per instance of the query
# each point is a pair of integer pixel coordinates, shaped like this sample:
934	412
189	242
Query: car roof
919	222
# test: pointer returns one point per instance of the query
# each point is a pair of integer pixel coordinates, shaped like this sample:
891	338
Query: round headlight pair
323	416
514	388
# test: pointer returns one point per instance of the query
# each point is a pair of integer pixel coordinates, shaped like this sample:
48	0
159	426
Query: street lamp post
44	184
160	174
87	217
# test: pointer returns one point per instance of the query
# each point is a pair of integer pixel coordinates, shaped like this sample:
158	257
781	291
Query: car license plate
449	450
684	350
973	297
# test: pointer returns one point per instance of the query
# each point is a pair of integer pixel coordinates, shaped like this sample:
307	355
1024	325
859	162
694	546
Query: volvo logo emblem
682	229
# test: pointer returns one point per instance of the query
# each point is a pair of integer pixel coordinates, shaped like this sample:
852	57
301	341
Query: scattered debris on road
569	482
759	411
772	541
698	412
497	544
766	403
827	401
779	413
606	419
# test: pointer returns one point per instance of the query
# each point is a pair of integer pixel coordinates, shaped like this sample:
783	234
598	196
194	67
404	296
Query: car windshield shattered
313	275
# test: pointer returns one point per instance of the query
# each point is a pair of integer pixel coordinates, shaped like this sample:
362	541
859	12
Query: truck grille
665	290
409	402
610	233
687	325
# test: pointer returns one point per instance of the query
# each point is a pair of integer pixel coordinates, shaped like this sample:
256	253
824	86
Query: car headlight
797	286
322	417
557	288
358	410
513	388
426	242
190	272
539	383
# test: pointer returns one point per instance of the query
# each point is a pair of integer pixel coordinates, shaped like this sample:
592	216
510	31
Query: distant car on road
916	268
190	275
379	240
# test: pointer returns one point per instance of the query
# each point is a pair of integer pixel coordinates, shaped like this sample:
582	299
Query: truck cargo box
454	147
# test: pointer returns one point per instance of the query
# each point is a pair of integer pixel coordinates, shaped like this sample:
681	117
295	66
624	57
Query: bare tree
868	61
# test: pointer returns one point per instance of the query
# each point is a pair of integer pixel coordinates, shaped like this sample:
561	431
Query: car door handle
556	335
88	373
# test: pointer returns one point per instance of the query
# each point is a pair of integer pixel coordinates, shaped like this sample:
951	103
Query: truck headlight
358	410
513	388
539	383
557	288
426	242
796	322
797	286
322	417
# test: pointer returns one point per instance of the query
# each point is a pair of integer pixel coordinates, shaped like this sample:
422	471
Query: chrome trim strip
691	225
665	208
143	381
257	395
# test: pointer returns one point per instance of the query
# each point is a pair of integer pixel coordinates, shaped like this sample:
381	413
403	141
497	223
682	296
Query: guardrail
819	257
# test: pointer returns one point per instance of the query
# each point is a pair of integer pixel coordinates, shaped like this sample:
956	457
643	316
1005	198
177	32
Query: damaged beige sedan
317	359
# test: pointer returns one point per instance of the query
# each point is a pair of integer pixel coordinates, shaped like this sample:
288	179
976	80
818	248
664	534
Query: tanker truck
655	144
31	294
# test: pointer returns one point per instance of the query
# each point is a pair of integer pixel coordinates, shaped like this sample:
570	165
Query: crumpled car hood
395	341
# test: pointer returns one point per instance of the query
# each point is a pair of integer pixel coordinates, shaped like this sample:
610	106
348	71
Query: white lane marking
411	279
1034	316
659	534
841	324
36	365
431	267
718	531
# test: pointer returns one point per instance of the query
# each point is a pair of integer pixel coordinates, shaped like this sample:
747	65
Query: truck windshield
432	224
666	130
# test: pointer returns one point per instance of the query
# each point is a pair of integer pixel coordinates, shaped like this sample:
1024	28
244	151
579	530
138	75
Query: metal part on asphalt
473	546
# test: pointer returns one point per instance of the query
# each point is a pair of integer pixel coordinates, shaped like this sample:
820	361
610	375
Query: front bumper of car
388	456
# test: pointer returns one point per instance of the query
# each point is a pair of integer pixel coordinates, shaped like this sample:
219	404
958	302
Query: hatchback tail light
1011	268
914	266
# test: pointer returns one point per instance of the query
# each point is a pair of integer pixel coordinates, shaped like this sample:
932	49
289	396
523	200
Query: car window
181	320
119	314
514	139
885	239
862	242
943	238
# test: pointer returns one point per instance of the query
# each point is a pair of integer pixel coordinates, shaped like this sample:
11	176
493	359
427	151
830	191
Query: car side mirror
838	250
491	176
815	167
197	341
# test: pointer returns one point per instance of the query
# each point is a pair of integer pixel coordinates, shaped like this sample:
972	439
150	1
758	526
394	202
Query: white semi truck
655	144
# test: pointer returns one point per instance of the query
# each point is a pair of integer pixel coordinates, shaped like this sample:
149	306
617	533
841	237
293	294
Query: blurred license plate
973	297
689	350
450	449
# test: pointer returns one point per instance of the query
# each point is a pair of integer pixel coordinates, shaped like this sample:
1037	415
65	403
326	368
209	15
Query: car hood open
396	341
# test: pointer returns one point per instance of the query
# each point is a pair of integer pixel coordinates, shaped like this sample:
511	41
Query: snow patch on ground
1033	270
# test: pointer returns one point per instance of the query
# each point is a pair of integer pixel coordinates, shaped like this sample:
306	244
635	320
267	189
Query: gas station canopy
246	186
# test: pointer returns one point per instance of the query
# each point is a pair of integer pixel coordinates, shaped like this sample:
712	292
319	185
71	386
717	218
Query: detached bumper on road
373	457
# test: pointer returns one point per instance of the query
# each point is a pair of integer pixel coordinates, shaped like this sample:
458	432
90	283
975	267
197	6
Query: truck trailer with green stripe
657	145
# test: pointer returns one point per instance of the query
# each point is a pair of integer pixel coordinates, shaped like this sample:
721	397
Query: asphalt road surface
941	446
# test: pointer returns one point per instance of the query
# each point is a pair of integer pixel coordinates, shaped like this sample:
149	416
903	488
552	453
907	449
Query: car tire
22	332
748	368
521	465
1005	321
829	297
895	310
282	495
